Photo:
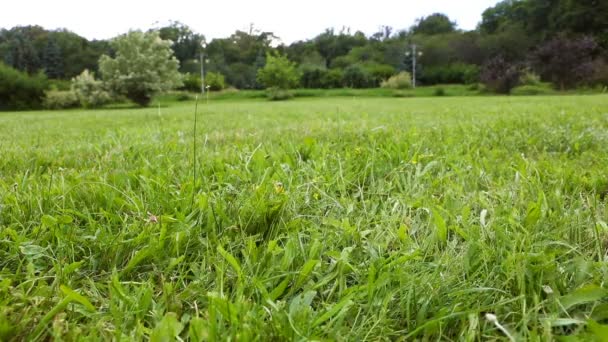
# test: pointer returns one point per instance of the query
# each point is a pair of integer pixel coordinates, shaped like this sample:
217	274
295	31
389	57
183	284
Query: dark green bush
332	79
450	74
356	76
19	90
439	92
313	78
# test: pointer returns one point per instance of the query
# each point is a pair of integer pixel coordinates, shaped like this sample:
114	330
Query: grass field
475	218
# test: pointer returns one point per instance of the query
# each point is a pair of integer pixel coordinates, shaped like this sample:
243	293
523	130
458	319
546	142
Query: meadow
473	219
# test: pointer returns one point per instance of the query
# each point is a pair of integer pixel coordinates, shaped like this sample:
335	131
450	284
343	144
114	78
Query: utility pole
414	54
203	45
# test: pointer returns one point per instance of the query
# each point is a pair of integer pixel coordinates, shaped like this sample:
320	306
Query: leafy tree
186	43
278	72
20	51
331	45
436	23
52	60
61	53
143	67
566	61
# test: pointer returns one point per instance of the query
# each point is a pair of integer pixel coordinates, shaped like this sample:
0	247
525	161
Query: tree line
564	42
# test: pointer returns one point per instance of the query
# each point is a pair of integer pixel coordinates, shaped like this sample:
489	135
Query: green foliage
143	66
278	72
321	78
356	76
451	74
313	77
19	90
378	73
402	80
90	92
60	53
60	99
529	78
215	81
191	82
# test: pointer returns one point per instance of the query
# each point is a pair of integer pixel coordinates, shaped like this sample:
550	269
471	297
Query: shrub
402	80
215	81
439	92
500	76
191	82
89	91
19	90
278	94
529	78
60	99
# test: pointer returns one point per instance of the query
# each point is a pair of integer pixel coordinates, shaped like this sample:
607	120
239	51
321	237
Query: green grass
324	219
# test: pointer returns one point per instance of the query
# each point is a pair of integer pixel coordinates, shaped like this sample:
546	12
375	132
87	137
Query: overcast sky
290	20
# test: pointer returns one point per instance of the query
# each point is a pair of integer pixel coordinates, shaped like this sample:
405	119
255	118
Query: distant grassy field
474	218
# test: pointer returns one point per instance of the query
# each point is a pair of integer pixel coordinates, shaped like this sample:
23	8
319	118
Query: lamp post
203	45
414	54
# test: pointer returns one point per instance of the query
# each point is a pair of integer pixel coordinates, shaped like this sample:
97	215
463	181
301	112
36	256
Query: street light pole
203	45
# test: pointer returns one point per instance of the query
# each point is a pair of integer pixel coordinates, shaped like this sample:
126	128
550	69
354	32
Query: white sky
290	20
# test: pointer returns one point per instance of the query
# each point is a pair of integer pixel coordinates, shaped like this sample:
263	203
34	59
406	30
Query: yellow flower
279	188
